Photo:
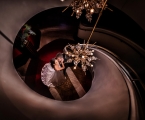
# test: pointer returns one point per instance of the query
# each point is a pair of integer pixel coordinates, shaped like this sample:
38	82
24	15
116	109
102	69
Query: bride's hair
52	62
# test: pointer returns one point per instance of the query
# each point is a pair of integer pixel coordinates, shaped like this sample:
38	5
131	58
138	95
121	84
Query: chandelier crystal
90	6
80	53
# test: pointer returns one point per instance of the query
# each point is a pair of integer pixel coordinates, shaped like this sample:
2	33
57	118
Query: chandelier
80	53
90	6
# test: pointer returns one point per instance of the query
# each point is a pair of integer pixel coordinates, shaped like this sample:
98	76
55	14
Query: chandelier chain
97	21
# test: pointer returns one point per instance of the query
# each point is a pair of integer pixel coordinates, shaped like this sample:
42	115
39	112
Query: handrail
127	41
121	64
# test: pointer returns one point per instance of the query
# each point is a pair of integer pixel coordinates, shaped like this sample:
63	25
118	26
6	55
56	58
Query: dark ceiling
15	13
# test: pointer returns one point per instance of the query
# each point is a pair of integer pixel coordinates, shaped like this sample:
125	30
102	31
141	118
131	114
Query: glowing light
90	6
79	54
75	67
83	56
92	10
78	11
66	53
86	5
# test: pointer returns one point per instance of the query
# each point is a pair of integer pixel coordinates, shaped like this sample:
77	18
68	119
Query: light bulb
83	56
77	11
92	10
86	5
75	67
66	53
91	65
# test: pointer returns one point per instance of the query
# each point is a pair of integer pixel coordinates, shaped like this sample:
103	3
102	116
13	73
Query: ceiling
15	13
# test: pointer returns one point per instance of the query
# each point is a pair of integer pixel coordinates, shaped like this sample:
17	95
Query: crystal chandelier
90	6
80	53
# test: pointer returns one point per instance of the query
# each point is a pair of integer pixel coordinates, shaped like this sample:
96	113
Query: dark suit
66	64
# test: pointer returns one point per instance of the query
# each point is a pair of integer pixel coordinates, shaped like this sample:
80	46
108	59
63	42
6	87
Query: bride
52	74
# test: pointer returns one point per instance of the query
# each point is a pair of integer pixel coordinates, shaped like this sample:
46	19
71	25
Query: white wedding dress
50	77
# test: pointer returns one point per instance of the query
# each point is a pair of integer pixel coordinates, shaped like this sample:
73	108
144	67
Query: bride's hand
62	64
62	60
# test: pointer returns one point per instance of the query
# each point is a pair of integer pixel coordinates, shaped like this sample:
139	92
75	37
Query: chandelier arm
68	6
96	22
90	5
72	13
109	9
94	43
93	3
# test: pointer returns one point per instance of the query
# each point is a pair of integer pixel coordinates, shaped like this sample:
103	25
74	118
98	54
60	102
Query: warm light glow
75	67
78	11
66	53
92	10
86	5
79	54
72	55
91	53
90	6
83	56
